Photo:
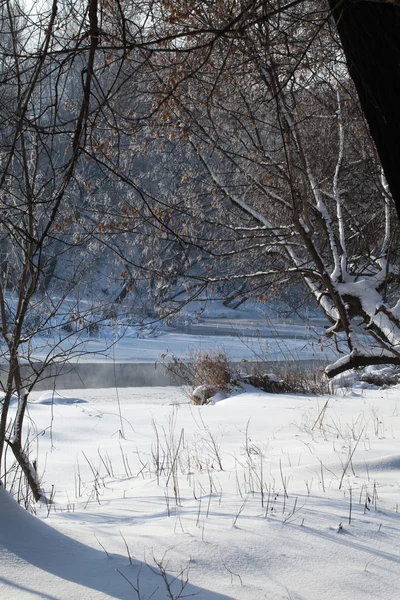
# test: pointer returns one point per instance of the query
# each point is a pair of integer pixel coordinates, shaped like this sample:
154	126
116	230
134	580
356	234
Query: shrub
301	380
213	369
290	377
384	376
206	373
267	382
209	371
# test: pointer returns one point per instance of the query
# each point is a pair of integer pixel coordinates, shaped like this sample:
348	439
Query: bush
206	373
267	382
384	376
301	380
213	369
289	378
209	371
379	376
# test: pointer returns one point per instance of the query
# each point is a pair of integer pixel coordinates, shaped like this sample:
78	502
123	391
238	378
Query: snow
371	300
282	341
54	397
140	468
13	399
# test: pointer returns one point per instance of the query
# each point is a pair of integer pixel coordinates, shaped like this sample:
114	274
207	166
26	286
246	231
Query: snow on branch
362	358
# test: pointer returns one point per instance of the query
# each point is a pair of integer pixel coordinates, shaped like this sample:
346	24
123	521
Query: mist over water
127	374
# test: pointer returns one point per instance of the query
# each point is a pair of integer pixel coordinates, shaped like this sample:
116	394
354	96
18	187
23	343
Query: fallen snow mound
56	398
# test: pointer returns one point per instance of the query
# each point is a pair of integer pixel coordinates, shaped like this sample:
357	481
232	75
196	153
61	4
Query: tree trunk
370	36
28	468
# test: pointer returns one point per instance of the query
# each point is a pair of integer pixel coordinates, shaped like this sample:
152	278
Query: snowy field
256	496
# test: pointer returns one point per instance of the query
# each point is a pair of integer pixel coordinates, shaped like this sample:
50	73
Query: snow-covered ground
257	496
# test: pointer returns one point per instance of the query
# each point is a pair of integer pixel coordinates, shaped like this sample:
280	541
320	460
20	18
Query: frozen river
136	361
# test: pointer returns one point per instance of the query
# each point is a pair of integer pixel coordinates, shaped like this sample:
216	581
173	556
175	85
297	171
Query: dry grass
213	369
288	378
208	370
207	373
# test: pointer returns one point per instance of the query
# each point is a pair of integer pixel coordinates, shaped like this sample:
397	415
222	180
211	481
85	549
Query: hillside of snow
256	496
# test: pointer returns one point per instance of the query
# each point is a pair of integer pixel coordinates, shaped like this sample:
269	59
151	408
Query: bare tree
59	71
66	169
293	185
271	174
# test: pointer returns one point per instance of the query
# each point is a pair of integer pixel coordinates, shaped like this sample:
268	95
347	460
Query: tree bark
370	36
